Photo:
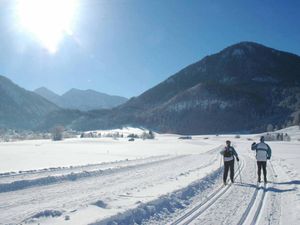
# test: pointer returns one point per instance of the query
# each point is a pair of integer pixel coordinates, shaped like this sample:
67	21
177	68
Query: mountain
20	108
89	99
48	94
83	100
243	88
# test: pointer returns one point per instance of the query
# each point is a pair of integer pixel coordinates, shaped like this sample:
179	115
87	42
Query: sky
124	47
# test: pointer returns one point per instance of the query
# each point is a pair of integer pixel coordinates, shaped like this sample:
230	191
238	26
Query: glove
268	158
237	159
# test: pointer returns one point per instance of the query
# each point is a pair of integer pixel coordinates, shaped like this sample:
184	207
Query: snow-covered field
162	181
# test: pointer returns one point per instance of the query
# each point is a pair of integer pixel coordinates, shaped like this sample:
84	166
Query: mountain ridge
242	87
83	100
20	108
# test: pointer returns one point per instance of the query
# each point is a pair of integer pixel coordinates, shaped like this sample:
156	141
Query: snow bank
165	205
293	132
22	184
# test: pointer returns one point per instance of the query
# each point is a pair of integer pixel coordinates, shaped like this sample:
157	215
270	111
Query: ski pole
220	161
239	168
273	169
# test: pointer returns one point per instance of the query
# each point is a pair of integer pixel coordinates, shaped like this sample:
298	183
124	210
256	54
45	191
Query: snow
41	154
293	132
265	79
203	104
202	68
170	80
238	52
125	131
106	181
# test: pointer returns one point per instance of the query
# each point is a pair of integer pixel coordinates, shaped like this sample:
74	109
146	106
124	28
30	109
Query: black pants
228	165
262	165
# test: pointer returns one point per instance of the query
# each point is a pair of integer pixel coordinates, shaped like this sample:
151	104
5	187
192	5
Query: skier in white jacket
263	153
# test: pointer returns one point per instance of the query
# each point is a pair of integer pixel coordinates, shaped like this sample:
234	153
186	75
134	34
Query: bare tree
151	134
297	120
57	133
270	128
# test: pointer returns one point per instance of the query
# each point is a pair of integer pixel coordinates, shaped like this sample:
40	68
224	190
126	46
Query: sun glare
48	20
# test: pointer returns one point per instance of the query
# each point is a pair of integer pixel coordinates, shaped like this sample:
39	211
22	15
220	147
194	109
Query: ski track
237	205
271	204
258	207
130	182
193	214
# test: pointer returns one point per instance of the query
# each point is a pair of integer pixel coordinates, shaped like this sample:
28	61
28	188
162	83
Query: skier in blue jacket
228	154
263	153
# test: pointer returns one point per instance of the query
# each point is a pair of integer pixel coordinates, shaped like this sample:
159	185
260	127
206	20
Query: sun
47	20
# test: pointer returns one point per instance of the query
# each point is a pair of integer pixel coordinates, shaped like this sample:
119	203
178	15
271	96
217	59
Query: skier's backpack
227	152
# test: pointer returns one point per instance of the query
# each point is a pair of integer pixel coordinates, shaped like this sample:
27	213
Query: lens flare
48	20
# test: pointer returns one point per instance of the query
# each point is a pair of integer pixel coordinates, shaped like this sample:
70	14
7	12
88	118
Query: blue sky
125	47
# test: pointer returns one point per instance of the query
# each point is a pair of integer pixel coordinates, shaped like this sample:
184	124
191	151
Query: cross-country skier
263	153
228	154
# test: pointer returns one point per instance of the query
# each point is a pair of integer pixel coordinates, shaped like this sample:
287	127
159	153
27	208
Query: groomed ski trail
248	211
259	201
194	213
119	189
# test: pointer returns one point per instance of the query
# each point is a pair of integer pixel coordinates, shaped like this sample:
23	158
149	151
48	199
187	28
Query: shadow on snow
270	189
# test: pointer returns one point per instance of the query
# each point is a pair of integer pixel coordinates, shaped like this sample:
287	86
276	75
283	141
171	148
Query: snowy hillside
293	132
245	87
20	108
162	181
